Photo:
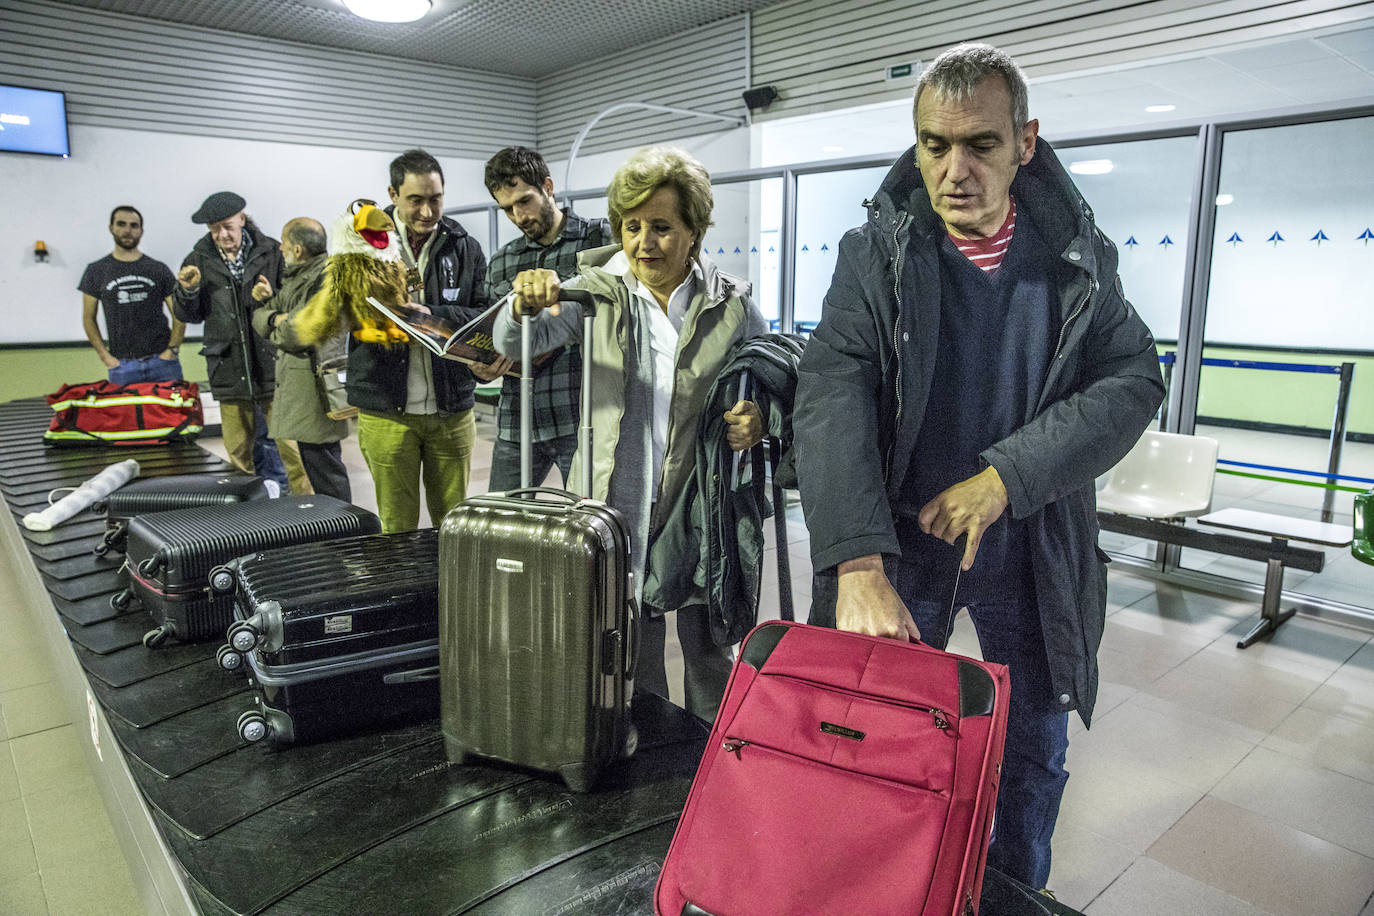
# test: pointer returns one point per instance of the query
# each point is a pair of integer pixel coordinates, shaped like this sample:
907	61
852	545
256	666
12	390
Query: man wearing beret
215	286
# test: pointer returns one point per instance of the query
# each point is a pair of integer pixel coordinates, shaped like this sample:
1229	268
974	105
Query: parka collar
1043	190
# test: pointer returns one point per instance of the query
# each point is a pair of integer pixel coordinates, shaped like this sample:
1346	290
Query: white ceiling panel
528	38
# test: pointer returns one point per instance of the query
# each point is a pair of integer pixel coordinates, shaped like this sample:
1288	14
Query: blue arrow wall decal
1365	236
1319	238
737	249
804	248
754	250
1275	238
825	247
1166	241
1235	237
1131	241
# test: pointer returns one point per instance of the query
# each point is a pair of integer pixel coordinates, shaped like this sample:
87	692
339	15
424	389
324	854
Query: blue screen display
33	121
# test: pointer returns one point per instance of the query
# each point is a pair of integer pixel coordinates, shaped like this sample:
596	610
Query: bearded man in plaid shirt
518	179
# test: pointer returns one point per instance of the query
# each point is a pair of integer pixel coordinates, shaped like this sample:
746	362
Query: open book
472	343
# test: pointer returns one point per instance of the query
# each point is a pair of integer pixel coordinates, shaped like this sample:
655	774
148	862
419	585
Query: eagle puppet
364	260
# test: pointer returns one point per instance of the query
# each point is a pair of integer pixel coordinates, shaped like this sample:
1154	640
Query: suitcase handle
414	676
567	496
633	634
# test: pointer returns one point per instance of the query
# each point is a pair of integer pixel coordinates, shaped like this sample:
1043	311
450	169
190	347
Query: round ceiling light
388	10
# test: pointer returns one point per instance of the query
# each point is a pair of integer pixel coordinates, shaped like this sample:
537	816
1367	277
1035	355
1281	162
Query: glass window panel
1290	279
744	225
829	204
1142	204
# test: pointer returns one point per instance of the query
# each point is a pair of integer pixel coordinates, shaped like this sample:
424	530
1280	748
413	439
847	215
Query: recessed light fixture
1224	199
832	149
388	10
1091	167
1159	109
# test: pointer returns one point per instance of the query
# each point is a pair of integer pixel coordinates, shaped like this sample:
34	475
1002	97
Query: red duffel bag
141	413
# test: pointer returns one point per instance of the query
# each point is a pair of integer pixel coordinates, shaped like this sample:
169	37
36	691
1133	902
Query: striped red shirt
988	253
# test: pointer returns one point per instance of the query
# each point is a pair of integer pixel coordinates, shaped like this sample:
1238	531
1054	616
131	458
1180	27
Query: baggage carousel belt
372	822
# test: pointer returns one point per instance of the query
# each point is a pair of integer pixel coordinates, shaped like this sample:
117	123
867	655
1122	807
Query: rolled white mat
90	491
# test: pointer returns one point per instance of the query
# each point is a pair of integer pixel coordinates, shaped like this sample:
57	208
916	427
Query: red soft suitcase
844	774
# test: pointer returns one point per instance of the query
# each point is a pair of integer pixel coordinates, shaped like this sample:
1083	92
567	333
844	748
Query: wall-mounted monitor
33	121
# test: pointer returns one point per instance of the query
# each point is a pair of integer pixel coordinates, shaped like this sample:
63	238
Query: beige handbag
332	377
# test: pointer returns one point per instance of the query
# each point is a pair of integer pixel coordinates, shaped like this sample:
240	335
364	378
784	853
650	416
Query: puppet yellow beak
373	225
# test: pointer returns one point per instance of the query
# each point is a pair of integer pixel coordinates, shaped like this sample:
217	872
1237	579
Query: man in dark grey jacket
976	366
214	286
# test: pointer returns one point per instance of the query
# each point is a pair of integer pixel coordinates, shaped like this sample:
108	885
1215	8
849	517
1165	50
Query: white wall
67	203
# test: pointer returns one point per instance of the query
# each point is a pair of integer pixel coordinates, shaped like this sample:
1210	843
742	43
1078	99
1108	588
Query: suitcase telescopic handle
584	299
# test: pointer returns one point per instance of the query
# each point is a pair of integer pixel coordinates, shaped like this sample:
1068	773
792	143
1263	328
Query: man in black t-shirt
132	289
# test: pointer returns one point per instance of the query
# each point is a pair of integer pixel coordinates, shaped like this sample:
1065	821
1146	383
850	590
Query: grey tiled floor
1213	781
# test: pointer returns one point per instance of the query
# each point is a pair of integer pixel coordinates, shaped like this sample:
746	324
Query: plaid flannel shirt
557	383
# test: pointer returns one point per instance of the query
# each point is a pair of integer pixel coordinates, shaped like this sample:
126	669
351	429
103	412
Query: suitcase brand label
341	624
510	565
831	729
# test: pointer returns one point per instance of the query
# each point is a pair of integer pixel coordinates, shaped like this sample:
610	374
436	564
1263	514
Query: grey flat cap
219	205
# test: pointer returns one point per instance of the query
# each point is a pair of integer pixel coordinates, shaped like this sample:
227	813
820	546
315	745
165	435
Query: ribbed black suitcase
537	628
318	602
162	494
338	636
170	556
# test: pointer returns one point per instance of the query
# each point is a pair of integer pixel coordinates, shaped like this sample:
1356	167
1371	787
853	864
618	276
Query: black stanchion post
1333	462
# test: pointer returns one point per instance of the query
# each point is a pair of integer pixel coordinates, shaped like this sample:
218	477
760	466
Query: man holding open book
415	418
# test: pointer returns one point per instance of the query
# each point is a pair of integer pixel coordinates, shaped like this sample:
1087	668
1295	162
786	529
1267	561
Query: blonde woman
667	321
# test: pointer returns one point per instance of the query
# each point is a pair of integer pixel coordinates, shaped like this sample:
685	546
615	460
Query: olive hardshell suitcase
162	494
336	636
172	557
536	633
537	626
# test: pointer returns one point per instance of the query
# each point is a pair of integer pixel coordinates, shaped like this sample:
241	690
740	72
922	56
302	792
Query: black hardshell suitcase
307	701
339	635
162	494
537	627
171	556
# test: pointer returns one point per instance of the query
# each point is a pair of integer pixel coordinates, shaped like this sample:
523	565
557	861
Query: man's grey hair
956	73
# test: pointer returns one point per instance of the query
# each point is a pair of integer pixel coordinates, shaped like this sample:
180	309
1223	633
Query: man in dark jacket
299	407
416	409
975	368
214	286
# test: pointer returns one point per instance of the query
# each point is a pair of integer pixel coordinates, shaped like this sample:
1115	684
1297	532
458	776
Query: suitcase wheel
221	580
156	637
252	726
229	659
148	568
242	637
101	549
120	599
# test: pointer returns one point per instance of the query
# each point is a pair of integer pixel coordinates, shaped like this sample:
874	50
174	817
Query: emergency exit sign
904	71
